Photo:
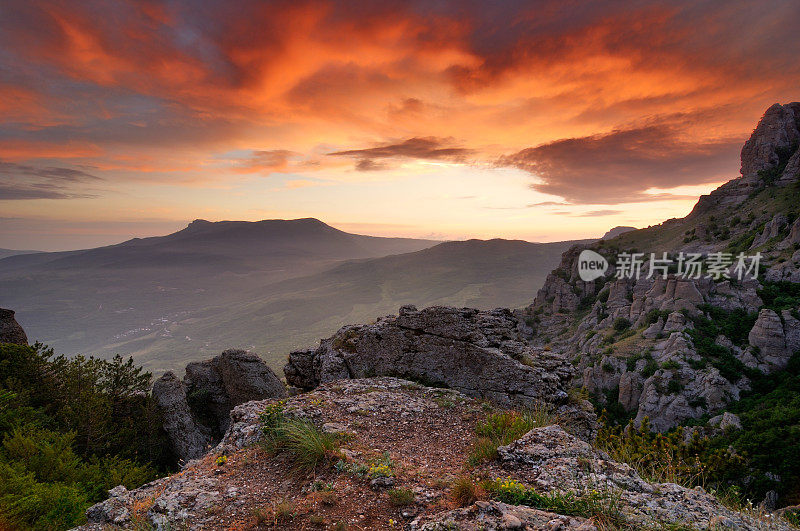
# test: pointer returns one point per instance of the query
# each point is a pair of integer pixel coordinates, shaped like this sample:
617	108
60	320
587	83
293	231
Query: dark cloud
424	148
22	181
370	165
619	166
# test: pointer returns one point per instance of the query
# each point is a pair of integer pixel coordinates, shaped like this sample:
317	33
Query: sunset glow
531	120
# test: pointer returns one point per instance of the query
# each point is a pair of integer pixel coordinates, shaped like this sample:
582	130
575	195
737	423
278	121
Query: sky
539	120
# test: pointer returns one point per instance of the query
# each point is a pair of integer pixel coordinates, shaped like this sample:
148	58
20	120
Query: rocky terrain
391	434
644	342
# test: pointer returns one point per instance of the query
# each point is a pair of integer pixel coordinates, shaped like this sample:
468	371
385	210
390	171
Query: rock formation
480	353
402	425
197	410
10	330
655	368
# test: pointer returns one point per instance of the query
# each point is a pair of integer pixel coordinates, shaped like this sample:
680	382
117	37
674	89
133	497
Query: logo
591	265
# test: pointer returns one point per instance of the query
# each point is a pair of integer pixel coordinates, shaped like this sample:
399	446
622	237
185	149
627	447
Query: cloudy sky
540	120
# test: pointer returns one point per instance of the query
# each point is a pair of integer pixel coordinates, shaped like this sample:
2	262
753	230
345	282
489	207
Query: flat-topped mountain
232	245
272	286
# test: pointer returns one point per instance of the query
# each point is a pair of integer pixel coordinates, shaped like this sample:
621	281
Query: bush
600	506
70	430
621	324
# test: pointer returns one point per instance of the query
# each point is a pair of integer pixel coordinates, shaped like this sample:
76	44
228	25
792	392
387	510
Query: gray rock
479	353
726	421
221	383
769	339
777	129
10	330
189	438
549	459
494	516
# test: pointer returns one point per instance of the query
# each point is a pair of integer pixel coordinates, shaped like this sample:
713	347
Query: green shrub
400	497
70	430
649	368
599	505
620	324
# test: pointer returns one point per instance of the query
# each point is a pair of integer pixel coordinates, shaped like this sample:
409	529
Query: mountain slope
679	349
271	286
5	253
274	318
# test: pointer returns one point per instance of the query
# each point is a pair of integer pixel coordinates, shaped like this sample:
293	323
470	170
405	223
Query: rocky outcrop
189	438
197	410
479	353
769	339
10	330
776	132
550	459
402	426
493	515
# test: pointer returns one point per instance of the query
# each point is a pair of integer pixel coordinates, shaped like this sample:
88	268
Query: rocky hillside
384	466
673	348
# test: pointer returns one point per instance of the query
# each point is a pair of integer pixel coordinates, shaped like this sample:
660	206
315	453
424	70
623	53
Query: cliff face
676	348
10	330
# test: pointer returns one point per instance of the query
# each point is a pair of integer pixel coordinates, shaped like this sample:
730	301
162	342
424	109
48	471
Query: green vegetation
400	497
502	428
747	460
70	430
735	325
601	506
308	445
621	324
662	457
780	295
770	415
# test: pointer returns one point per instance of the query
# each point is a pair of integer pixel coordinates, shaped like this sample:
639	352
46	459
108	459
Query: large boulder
10	330
769	339
189	438
776	131
197	409
480	353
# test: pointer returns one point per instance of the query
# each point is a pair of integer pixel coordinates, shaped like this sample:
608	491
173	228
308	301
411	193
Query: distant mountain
270	285
5	253
228	245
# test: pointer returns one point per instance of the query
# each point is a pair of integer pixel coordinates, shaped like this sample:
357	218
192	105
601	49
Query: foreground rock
400	426
551	459
196	410
10	330
482	354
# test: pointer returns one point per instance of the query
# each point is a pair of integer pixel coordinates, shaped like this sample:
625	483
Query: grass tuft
465	491
505	427
400	497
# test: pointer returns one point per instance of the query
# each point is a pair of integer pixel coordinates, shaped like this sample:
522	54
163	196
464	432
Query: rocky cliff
674	347
10	330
